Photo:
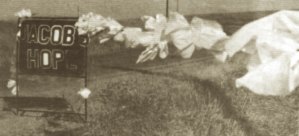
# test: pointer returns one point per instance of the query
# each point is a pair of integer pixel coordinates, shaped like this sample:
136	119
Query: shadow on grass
215	92
3	80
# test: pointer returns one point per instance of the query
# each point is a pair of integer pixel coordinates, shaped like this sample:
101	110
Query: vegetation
194	97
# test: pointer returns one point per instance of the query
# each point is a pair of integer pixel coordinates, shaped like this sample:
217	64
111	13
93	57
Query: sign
51	46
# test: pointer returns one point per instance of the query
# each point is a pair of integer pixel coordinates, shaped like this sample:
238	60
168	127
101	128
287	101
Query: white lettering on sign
42	37
45	34
44	58
56	35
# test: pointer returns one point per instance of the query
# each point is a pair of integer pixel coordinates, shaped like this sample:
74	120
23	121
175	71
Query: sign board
51	46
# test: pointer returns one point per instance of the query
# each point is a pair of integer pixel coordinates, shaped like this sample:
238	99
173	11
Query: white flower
90	22
149	53
94	23
24	13
113	25
19	34
14	91
163	49
84	92
11	83
155	24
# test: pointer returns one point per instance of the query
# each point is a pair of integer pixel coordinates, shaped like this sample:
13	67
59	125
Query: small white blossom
14	91
24	13
11	83
84	92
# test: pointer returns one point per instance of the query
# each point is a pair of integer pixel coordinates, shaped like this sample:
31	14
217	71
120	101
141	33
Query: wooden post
17	64
177	5
85	105
167	8
85	80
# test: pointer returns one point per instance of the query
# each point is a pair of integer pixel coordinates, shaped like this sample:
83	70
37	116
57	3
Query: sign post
51	46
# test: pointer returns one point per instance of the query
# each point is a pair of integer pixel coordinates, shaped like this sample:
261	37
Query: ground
171	97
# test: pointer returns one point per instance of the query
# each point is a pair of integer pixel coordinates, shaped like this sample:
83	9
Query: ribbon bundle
158	32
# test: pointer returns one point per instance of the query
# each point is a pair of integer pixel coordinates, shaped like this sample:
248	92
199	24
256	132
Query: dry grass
197	98
158	105
17	126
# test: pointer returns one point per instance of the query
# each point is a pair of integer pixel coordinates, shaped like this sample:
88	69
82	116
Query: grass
194	97
139	105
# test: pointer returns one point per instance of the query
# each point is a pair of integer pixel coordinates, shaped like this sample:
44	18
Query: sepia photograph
149	68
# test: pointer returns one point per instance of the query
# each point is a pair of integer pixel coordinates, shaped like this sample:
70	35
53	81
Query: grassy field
171	97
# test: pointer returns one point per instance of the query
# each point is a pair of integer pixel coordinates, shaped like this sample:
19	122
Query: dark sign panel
51	46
